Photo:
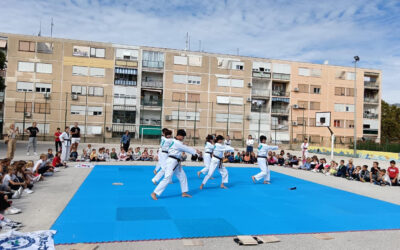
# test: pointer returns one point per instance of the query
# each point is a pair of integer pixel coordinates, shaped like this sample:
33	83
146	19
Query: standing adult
11	140
33	131
76	136
227	141
57	139
304	149
126	140
249	144
66	144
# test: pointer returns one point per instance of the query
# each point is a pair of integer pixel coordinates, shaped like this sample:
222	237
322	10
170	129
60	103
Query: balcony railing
152	84
280	93
255	108
260	92
124	82
284	126
150	122
1	96
279	111
370	131
153	64
370	116
153	103
261	74
279	76
371	100
368	84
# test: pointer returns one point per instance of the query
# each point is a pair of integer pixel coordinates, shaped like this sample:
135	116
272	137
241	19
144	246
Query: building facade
109	88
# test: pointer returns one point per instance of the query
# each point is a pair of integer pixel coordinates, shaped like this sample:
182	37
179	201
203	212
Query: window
350	76
178	97
281	68
340	91
316	72
349	91
80	71
180	60
42	108
81	51
311	122
230	100
314	105
19	107
96	52
338	123
193	97
127	54
78	90
232	118
223	99
186	116
195	60
262	66
350	124
316	89
234	83
304	72
302	104
153	59
304	88
349	108
26	46
78	110
43	47
301	120
223	82
24	86
45	68
97	72
237	65
43	87
95	111
180	79
340	74
194	80
95	91
344	107
26	66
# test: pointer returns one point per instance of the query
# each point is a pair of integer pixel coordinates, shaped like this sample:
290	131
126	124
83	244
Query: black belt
165	152
220	161
177	159
259	156
209	153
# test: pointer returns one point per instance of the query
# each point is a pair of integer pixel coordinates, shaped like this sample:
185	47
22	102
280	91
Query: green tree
390	123
2	65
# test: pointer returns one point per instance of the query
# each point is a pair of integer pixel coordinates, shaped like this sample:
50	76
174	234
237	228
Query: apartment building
109	88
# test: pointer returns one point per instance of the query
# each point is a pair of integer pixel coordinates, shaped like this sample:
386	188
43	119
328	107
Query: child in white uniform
216	161
66	145
173	165
304	149
158	166
163	156
262	161
208	151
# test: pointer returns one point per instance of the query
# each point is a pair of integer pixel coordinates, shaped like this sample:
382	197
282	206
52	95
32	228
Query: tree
390	123
2	66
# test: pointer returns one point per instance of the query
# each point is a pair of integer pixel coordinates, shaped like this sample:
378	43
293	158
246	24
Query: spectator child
306	165
57	140
281	159
383	178
122	155
74	155
107	155
84	156
50	155
57	161
374	173
113	154
247	158
100	155
136	155
200	157
356	173
151	155
342	169
42	166
393	173
93	155
89	148
364	174
231	157
349	170
238	158
333	168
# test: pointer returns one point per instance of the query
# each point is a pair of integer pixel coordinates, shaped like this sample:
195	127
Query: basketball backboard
323	119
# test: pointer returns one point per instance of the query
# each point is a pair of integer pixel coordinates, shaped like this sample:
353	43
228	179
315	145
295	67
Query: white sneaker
36	178
16	195
28	154
56	170
12	210
28	191
35	153
20	190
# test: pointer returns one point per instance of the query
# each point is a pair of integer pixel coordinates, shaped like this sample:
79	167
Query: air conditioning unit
248	117
296	90
108	129
168	117
46	95
28	114
295	106
248	99
295	123
74	97
249	85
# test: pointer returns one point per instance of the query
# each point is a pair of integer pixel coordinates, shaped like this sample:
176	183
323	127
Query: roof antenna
40	28
51	28
237	51
187	41
199	45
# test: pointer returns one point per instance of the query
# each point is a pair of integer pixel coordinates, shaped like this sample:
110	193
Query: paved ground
42	208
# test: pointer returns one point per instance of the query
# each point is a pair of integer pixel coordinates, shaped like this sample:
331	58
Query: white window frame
78	90
44	87
44	68
95	110
80	71
180	60
77	110
304	72
195	80
24	86
26	67
97	52
95	91
97	72
182	79
83	51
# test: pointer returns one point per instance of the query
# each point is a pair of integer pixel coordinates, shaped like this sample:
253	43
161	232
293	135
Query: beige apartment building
109	88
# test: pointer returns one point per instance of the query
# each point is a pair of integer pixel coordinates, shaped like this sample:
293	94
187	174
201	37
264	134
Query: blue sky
311	31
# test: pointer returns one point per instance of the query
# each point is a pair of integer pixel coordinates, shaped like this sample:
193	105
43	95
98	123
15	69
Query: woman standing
249	144
126	141
12	140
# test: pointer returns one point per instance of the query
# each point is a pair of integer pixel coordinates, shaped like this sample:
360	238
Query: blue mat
102	212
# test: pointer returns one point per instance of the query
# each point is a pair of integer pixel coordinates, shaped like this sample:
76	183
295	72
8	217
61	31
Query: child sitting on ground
57	161
100	155
307	164
333	168
50	155
383	178
113	155
43	167
93	155
107	155
356	173
364	174
74	155
84	156
122	155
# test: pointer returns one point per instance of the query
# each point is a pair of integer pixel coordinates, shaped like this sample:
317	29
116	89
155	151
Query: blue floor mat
102	212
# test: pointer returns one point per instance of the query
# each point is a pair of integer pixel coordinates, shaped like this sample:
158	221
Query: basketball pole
332	142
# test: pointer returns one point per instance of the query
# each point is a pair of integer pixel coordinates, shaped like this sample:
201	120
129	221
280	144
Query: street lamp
356	59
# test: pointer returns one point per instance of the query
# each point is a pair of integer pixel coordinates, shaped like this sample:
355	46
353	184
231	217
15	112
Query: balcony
124	82
370	116
151	103
370	131
259	109
260	93
152	84
153	65
371	85
281	77
280	111
261	74
280	93
1	96
371	100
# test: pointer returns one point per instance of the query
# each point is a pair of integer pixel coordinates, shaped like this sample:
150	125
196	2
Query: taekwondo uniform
158	166
262	161
66	145
304	150
216	161
208	151
162	158
173	166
